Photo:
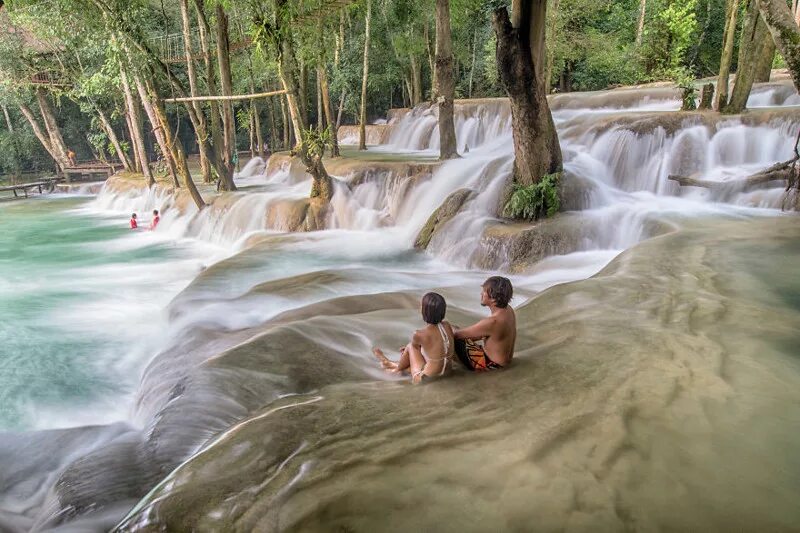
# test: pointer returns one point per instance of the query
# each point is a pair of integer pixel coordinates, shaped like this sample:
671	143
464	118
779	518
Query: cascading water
269	314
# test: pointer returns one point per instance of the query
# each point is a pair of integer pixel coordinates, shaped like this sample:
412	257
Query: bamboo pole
224	98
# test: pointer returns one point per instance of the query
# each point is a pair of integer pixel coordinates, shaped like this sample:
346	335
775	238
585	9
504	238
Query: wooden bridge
22	190
91	170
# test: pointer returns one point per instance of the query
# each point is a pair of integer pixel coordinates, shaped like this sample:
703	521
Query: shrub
531	202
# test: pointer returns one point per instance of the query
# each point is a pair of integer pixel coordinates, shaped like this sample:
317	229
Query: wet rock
449	208
576	192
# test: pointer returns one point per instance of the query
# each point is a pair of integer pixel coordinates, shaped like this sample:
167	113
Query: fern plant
531	202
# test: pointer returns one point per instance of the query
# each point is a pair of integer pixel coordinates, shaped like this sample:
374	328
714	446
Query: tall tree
362	124
728	39
752	43
135	127
226	81
322	74
276	33
520	54
445	79
785	33
640	24
186	25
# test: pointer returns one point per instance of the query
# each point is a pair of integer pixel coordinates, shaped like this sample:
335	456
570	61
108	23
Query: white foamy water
140	353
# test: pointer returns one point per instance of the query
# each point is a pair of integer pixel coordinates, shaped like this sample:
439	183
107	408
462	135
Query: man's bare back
498	331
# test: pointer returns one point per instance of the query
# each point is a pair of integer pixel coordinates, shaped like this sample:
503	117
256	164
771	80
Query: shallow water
77	291
662	394
222	340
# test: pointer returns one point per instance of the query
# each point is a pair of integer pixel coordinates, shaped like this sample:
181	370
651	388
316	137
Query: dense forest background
591	45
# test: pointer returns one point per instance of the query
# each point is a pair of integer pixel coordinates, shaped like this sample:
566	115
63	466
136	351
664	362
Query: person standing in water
489	344
155	221
134	223
430	353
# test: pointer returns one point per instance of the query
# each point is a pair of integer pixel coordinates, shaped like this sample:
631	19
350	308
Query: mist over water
166	340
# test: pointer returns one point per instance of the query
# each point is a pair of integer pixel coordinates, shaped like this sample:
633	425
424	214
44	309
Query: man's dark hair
433	308
133	215
499	289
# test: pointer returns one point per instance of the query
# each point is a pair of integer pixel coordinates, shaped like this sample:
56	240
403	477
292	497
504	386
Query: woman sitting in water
430	352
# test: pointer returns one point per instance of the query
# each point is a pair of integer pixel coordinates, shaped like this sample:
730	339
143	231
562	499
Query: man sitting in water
156	220
498	332
134	224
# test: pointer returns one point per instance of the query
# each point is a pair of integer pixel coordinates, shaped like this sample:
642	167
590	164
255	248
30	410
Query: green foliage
315	142
532	202
22	151
685	81
681	22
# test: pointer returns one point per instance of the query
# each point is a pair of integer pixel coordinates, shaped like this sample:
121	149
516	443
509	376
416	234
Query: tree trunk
228	124
14	142
205	164
341	109
137	135
721	97
302	87
273	128
176	149
286	125
137	166
326	104
536	148
785	33
706	96
9	124
51	126
472	63
415	93
40	134
754	39
640	25
362	130
445	78
218	157
255	110
764	65
158	131
105	123
339	40
431	61
287	70
320	115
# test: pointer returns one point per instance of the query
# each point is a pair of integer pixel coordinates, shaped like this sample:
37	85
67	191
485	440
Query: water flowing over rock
636	401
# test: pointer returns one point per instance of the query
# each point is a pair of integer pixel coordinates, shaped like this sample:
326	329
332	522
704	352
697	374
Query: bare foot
385	362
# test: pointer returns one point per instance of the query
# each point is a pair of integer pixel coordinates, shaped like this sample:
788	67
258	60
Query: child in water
156	220
134	224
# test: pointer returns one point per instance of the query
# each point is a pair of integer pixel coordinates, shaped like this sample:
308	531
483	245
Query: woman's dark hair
433	308
133	215
499	289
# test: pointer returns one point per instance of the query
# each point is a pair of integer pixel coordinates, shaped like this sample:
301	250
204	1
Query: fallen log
779	172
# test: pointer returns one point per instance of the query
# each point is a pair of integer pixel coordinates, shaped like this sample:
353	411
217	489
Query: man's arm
481	330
